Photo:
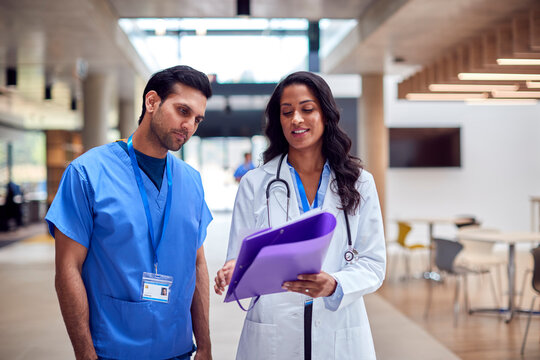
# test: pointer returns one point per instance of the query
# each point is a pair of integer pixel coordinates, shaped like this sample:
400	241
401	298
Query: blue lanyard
144	197
303	196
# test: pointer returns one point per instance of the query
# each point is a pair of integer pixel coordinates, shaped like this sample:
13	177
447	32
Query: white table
510	239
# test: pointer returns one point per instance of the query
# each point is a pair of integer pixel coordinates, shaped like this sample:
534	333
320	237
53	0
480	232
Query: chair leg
407	259
499	281
522	290
527	327
456	302
430	295
493	291
466	293
403	272
391	263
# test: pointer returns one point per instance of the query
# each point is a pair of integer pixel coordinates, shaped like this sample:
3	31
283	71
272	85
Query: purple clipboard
270	257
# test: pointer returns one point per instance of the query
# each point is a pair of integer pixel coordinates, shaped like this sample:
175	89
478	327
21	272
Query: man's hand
203	354
200	309
314	285
223	277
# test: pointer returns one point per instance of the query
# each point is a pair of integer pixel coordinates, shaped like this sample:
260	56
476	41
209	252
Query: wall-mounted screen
425	147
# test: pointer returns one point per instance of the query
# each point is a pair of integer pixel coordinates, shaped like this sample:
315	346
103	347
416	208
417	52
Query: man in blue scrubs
129	221
243	168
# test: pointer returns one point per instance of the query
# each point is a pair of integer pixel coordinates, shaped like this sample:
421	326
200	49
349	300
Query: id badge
156	287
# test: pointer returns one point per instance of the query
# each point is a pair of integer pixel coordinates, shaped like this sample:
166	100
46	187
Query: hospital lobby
440	101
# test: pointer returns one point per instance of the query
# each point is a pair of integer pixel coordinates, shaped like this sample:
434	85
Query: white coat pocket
258	341
353	344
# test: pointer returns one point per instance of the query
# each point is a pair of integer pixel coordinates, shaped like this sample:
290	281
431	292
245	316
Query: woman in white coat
302	122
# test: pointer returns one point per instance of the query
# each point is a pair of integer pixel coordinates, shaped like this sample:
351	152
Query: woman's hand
314	285
223	277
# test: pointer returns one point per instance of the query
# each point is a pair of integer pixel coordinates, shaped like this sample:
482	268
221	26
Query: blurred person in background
11	210
244	167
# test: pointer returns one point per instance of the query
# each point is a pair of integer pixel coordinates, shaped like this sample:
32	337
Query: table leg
533	216
511	281
535	219
431	260
538	207
430	274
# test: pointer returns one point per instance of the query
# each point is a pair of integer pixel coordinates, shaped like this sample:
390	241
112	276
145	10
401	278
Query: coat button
317	323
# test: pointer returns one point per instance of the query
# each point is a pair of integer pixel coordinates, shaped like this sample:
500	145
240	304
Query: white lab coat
274	328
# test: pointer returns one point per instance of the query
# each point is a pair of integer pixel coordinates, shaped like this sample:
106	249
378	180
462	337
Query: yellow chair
403	230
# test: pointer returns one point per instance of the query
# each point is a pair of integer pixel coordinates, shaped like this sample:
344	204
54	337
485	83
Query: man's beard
167	139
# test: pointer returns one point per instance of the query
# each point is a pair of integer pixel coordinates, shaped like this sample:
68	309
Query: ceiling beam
378	13
106	21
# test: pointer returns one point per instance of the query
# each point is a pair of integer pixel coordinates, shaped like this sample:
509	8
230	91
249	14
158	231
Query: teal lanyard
142	191
303	196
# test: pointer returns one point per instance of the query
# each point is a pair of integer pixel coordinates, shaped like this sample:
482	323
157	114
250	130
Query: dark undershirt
152	167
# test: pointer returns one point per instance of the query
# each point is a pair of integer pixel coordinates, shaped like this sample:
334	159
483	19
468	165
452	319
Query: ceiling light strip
516	94
497	77
471	87
533	84
444	96
519	62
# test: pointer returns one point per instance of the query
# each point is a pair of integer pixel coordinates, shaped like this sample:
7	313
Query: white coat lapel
332	202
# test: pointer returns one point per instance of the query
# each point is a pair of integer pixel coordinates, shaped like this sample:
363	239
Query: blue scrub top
243	169
99	205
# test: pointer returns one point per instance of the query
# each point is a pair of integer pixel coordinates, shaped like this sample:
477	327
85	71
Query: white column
128	109
127	122
3	70
97	92
373	134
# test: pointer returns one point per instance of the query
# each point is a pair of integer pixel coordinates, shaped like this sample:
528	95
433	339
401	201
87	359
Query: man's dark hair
163	83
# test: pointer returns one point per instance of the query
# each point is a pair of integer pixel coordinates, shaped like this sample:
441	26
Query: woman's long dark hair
336	144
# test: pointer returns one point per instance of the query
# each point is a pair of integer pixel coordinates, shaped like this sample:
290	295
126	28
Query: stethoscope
350	255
